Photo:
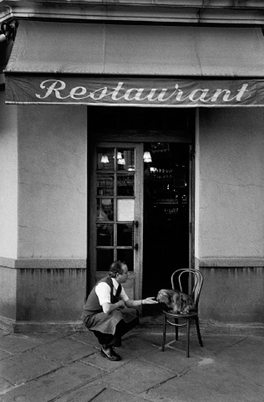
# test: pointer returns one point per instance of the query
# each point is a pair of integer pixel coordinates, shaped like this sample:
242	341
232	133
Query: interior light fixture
104	159
121	161
147	157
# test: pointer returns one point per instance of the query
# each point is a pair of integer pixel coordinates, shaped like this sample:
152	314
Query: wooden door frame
118	139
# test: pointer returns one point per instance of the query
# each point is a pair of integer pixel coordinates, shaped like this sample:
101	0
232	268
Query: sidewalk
68	368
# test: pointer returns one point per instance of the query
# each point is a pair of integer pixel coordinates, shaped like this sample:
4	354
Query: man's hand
121	304
149	300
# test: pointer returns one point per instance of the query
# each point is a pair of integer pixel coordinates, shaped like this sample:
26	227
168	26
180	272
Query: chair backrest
194	282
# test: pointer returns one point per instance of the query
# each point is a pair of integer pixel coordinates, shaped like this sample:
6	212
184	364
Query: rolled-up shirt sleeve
103	292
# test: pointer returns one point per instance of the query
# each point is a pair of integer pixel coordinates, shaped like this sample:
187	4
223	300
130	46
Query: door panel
116	218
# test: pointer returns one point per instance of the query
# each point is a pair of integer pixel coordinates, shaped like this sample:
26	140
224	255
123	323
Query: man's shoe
110	354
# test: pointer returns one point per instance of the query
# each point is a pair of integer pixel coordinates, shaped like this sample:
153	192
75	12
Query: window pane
127	257
125	210
105	159
124	234
104	234
105	185
105	209
125	185
104	259
125	159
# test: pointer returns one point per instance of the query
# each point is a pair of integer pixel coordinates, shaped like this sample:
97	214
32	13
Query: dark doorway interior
166	214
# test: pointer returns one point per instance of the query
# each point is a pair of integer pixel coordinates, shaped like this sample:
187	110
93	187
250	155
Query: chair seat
177	315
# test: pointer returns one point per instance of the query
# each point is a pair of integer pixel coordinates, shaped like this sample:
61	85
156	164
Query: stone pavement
68	368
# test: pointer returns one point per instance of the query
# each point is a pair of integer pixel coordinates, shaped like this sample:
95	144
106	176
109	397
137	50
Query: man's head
119	271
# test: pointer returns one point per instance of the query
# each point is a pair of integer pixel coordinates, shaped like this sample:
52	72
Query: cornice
228	12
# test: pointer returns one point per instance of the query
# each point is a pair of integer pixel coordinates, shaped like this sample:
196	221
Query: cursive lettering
189	94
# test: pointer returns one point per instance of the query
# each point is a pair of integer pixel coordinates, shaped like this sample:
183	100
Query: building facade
131	130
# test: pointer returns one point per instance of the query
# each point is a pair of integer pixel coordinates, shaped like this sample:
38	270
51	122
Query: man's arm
103	293
108	307
137	303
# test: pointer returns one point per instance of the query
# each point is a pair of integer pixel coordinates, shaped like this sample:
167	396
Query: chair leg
176	328
188	338
164	332
198	332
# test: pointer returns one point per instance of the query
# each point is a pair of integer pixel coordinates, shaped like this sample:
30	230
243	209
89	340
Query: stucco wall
50	295
52	210
231	183
229	214
43	231
8	179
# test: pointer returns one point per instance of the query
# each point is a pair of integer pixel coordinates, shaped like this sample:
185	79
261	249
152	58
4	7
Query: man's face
122	278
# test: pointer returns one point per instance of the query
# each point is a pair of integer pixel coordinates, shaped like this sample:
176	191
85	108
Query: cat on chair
175	301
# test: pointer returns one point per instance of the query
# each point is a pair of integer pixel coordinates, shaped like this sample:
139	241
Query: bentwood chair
194	280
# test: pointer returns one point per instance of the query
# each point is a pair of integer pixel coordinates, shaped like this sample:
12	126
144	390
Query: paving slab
134	347
212	345
172	359
86	337
64	350
209	382
5	385
25	367
4	354
16	343
137	376
98	361
244	359
99	393
53	385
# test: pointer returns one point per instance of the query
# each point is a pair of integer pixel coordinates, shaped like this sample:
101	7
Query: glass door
116	189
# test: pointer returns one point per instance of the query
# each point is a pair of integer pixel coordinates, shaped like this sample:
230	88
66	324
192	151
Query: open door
116	214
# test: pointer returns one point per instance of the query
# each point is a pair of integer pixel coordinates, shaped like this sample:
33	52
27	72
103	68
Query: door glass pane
104	234
104	259
105	209
125	210
125	159
126	255
124	234
125	185
105	159
115	192
105	185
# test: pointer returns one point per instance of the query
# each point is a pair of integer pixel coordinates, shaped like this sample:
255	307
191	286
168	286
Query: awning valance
115	64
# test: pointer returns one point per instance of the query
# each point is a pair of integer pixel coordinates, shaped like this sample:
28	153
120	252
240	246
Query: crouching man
108	311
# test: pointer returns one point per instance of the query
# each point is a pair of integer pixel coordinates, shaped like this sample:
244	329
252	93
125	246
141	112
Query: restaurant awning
139	65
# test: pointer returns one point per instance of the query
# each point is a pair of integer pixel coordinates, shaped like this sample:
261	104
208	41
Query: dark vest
92	305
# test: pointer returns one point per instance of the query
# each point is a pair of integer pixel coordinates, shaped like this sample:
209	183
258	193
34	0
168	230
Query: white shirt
103	292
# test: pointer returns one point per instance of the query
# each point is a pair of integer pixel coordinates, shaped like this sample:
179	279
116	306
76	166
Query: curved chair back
195	282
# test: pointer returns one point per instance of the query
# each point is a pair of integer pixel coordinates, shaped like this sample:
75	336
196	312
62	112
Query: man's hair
116	268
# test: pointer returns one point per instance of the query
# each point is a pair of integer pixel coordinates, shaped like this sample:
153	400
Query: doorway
166	238
140	195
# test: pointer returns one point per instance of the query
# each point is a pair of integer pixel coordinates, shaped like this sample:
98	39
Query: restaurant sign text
133	91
